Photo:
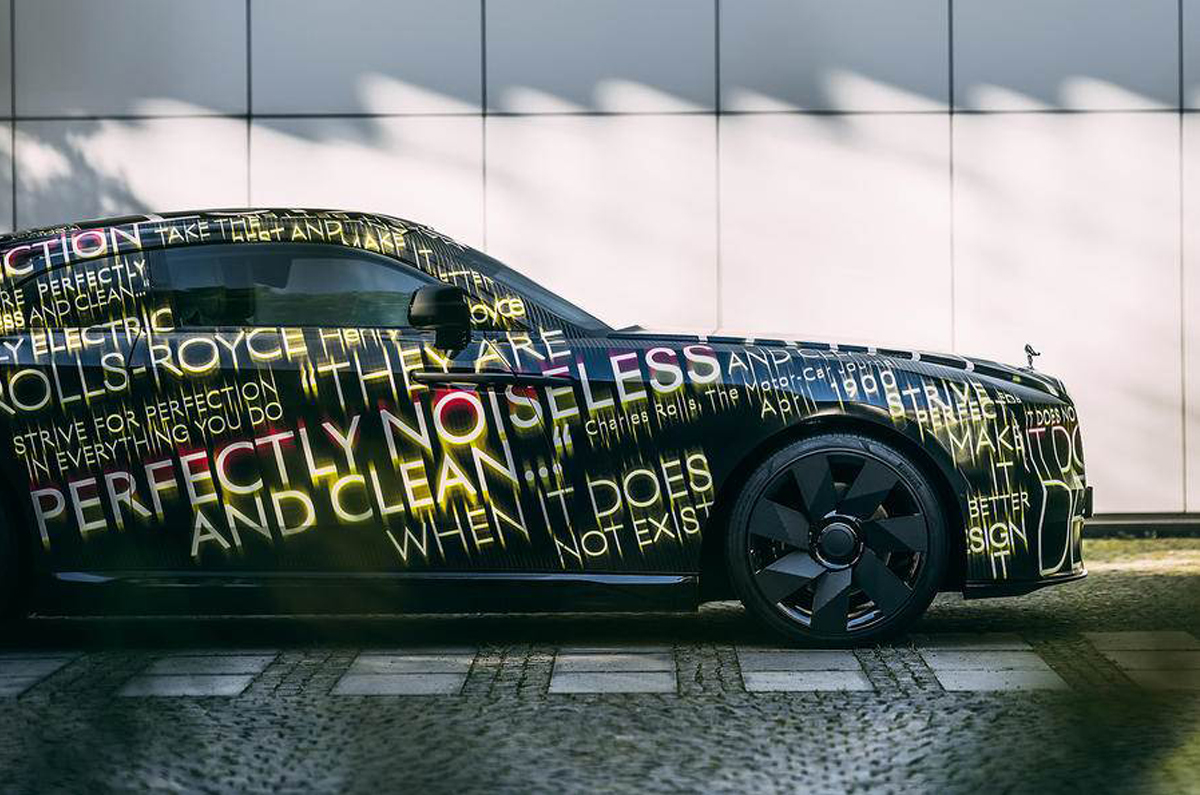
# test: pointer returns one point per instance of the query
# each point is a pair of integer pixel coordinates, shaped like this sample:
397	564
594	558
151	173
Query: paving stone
798	660
187	685
984	661
412	664
799	680
21	671
214	664
707	668
1166	680
409	684
1155	660
894	668
616	648
484	673
1079	663
1142	641
972	641
977	680
532	672
614	682
40	654
13	686
423	650
577	663
31	666
219	651
70	734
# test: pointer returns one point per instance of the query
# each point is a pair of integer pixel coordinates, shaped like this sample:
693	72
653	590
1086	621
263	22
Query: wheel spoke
831	601
778	522
897	534
879	582
872	486
815	481
787	575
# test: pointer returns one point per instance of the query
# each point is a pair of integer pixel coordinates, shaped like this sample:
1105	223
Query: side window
284	285
88	292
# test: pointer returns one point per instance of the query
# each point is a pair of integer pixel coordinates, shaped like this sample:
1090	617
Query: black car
335	410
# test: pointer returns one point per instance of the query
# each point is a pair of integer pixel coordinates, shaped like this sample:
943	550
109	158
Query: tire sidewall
928	581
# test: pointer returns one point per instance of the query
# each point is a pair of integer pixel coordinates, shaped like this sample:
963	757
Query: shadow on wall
61	172
68	169
1050	212
366	57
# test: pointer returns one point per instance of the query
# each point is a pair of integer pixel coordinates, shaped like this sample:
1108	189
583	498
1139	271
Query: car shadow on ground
722	623
1107	600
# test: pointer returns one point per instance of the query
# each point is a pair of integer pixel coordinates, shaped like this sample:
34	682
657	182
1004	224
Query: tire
837	540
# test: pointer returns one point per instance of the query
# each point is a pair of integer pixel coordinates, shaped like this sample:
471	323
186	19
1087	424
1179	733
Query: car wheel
837	540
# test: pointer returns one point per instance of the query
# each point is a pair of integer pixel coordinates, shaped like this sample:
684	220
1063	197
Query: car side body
161	430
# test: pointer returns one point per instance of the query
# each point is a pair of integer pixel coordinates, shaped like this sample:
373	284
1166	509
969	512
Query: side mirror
442	308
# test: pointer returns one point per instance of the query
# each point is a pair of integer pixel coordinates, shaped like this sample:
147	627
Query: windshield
531	290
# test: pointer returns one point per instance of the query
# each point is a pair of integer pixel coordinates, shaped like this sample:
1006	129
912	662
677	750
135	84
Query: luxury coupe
344	411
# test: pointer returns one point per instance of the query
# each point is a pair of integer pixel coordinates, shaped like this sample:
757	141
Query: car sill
149	593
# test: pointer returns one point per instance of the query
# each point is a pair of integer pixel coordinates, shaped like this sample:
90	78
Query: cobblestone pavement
1093	686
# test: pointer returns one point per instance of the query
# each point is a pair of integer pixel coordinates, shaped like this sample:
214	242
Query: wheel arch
931	458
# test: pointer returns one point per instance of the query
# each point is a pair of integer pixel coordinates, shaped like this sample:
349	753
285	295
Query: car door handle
487	378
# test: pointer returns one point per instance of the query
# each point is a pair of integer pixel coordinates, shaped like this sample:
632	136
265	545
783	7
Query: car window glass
80	294
285	285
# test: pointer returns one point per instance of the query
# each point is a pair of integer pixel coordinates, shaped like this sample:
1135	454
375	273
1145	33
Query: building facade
964	175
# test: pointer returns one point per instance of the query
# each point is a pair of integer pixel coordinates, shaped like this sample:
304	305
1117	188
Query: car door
333	436
616	474
517	374
275	353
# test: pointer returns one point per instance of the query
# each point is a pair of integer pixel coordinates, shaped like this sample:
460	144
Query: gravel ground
288	731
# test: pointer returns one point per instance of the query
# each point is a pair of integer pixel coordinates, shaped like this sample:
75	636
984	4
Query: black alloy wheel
837	539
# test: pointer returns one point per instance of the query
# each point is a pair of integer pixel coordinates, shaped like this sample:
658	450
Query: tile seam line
718	281
1183	281
588	114
483	125
249	104
950	169
12	98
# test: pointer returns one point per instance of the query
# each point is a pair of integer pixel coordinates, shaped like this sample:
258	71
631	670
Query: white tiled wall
850	55
428	168
5	63
366	56
1191	304
1191	53
6	186
1066	236
837	227
85	168
1076	54
629	200
129	57
618	56
834	197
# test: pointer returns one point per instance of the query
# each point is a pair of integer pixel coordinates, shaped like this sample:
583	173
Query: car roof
217	215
